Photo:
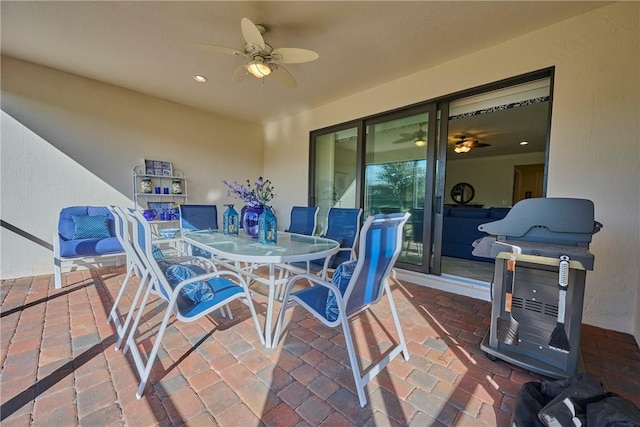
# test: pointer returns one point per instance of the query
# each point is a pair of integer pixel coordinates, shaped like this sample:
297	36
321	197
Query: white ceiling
147	46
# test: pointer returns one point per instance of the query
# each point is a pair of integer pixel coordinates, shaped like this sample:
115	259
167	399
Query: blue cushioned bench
85	235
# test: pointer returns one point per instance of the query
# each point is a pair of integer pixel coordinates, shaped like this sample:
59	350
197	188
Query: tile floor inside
59	365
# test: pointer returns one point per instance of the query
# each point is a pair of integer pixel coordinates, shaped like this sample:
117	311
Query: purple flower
259	194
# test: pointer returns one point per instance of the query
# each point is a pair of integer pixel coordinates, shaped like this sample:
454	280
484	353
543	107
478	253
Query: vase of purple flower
250	220
254	196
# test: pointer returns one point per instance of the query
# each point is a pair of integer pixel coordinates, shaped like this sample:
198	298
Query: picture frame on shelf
158	167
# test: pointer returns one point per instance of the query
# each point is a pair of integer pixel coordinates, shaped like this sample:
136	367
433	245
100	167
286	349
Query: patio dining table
232	250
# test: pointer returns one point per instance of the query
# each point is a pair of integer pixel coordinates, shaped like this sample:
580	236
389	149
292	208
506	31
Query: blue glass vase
250	220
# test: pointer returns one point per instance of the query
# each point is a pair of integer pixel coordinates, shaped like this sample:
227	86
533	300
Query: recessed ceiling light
524	143
199	78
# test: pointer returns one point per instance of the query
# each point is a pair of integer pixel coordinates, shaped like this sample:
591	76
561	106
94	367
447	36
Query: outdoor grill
541	251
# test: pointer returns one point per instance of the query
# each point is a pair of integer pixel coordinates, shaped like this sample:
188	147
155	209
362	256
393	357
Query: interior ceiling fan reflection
264	60
465	145
418	137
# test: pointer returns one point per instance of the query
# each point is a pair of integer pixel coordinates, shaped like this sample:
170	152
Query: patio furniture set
212	269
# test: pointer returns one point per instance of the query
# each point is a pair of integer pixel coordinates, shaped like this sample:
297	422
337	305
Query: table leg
268	332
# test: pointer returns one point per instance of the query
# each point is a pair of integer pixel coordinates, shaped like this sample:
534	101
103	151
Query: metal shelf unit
142	199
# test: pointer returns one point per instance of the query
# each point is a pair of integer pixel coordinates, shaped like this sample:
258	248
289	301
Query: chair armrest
56	244
314	280
205	263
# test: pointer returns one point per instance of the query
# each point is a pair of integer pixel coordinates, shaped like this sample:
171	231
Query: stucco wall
594	150
68	140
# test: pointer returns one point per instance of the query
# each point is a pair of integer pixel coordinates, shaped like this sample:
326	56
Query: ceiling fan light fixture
461	149
420	142
258	68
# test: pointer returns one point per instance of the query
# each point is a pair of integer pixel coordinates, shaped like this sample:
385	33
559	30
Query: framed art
158	167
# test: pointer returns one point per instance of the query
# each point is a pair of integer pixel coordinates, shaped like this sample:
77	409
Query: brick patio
59	365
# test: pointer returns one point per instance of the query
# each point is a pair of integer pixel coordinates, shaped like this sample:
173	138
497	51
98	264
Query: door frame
438	109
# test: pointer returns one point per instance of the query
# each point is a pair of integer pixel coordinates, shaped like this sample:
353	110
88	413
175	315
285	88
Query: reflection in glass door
334	172
395	176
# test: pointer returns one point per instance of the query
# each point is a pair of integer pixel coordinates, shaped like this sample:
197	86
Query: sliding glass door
334	172
397	172
384	164
491	141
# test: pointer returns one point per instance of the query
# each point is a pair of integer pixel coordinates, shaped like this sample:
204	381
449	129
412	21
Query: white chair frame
159	283
290	300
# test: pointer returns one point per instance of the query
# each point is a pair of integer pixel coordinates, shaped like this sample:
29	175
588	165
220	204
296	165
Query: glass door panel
395	176
497	146
334	172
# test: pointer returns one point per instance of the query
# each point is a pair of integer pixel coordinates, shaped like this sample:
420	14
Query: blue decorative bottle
230	220
267	226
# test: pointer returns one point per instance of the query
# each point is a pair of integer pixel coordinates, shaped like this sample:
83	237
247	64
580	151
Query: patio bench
85	236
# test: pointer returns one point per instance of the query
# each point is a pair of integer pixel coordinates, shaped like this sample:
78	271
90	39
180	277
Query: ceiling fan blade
240	74
476	144
251	33
293	55
281	73
219	49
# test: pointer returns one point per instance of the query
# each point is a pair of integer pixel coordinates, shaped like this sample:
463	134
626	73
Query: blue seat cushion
341	278
193	292
66	225
224	290
71	247
90	227
198	296
89	247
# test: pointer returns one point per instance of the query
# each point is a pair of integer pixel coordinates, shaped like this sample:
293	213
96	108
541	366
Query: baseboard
454	284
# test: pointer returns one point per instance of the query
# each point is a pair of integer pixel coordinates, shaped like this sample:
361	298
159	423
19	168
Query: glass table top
290	247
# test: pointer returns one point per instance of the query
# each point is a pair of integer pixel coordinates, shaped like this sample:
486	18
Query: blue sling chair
343	226
355	287
303	220
189	291
136	267
198	217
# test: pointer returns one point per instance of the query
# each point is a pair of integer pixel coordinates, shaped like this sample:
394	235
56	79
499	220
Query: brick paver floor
60	368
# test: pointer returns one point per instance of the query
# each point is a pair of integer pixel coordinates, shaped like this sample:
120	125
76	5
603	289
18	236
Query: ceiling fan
465	145
418	137
264	60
